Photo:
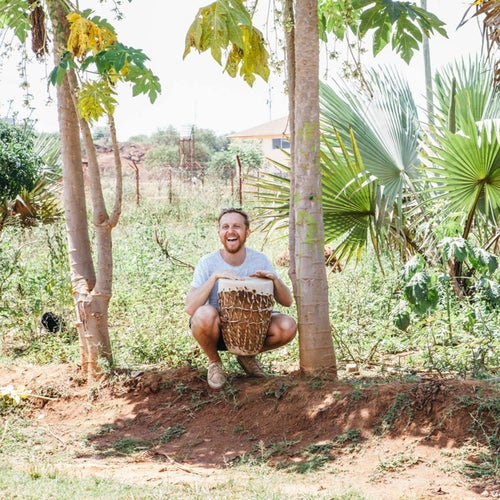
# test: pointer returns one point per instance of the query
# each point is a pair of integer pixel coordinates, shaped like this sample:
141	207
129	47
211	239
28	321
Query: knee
289	328
205	319
286	328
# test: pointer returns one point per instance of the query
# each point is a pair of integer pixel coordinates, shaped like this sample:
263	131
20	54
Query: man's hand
263	274
229	275
281	292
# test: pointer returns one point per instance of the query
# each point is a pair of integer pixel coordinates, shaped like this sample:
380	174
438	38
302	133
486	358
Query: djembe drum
245	311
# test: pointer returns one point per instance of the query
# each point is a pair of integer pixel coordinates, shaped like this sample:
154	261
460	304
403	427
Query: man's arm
197	297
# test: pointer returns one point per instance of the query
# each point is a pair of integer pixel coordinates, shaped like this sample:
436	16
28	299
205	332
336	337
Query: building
274	137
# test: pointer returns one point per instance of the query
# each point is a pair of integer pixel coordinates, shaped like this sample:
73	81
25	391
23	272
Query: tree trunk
289	26
428	73
311	287
91	294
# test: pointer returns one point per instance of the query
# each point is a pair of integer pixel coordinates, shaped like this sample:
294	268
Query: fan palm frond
465	87
466	169
386	129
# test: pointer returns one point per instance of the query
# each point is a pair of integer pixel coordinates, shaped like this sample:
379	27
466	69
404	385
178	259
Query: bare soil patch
389	440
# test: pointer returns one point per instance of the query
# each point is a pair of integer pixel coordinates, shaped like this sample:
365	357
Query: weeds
402	404
148	324
486	424
172	432
398	463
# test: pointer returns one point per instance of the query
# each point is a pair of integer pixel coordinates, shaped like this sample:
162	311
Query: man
233	261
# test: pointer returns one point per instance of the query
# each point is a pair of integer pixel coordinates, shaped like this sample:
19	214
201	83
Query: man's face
233	232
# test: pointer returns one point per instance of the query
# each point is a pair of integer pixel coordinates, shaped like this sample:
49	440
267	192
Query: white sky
195	91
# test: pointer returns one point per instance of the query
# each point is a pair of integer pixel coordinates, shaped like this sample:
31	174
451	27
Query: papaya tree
225	26
247	54
82	42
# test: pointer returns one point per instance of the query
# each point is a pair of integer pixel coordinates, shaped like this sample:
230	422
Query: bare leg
205	325
281	331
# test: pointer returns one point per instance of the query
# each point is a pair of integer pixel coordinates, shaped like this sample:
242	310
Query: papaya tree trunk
311	287
91	292
289	23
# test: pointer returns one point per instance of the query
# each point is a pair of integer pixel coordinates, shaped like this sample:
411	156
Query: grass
45	483
155	247
30	469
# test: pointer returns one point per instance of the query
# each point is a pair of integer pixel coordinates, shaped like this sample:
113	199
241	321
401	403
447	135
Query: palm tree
40	203
375	185
369	158
463	154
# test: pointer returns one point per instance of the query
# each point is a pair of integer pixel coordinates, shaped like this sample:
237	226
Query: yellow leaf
87	36
96	99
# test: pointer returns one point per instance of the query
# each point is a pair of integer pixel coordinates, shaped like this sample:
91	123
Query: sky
195	90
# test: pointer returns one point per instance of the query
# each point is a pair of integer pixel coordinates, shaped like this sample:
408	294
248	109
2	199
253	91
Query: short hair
235	210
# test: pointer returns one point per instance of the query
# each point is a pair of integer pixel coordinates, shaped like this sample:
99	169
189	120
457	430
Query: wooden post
170	185
137	185
240	179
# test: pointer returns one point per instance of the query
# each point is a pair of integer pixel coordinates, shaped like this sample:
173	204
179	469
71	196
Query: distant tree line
212	154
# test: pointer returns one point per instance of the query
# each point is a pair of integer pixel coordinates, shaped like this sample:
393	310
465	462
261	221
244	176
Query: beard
234	246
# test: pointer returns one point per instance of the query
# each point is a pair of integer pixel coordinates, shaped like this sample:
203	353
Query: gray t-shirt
254	261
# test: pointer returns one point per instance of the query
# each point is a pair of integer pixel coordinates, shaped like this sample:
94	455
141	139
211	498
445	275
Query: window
280	143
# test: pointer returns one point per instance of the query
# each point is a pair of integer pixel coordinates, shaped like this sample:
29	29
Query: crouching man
233	261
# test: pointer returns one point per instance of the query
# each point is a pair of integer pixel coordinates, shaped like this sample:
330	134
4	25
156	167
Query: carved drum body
245	311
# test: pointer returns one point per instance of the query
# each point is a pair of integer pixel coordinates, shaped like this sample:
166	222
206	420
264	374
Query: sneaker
251	366
215	375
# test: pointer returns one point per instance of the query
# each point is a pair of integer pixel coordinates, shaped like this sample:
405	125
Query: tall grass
155	247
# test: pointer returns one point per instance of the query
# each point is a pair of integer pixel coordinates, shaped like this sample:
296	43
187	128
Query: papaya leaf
456	248
144	81
490	288
381	38
420	293
483	261
407	25
116	57
225	27
96	99
15	16
414	265
57	74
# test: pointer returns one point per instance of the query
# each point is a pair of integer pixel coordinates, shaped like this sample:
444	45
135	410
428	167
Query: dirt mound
407	434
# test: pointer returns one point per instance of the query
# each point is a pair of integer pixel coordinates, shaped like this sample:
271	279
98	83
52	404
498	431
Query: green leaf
467	170
490	289
456	248
15	15
336	17
406	23
483	261
406	48
371	19
226	26
381	38
414	265
144	82
420	293
402	320
57	74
